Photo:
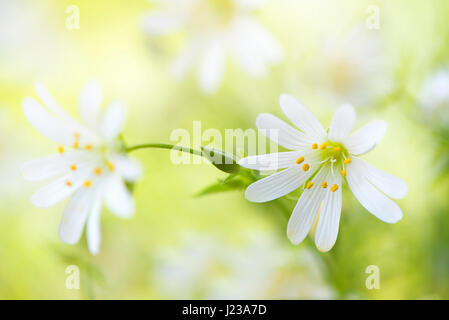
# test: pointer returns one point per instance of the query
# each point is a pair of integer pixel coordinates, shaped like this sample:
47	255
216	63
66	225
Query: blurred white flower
434	95
259	268
179	271
25	27
216	29
320	161
354	68
89	165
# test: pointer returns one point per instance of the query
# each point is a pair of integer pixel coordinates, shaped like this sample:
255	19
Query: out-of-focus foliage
150	256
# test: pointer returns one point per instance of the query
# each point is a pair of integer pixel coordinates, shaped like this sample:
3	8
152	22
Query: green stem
165	146
249	174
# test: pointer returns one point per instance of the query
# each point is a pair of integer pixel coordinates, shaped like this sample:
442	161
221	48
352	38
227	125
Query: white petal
93	227
329	216
184	62
301	117
264	45
272	161
75	215
369	197
246	54
389	184
342	123
65	185
56	164
281	133
277	185
366	138
44	168
58	130
118	198
129	169
306	209
90	102
113	121
159	23
51	127
54	192
51	103
212	67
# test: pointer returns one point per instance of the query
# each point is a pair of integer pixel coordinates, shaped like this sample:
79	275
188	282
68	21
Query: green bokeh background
413	255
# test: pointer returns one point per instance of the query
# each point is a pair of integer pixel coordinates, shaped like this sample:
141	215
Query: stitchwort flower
320	161
89	165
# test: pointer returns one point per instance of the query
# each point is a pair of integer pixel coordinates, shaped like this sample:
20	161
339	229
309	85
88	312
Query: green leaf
222	160
232	182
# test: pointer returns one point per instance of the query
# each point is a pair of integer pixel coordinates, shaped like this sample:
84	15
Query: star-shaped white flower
354	69
216	29
319	162
89	164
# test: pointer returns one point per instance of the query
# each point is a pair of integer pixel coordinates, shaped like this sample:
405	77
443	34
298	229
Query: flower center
212	13
333	152
341	75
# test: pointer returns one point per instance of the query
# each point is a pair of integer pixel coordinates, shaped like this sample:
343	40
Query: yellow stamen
76	135
305	167
334	187
315	146
309	185
323	146
300	160
87	183
97	171
76	145
347	161
111	166
68	184
343	173
73	167
61	149
324	184
336	149
88	147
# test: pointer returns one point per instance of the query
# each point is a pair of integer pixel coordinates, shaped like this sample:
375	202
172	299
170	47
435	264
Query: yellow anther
309	185
87	183
76	145
347	161
334	187
73	167
88	147
300	160
336	149
343	173
68	183
315	146
305	166
111	166
61	149
97	171
323	146
76	135
324	184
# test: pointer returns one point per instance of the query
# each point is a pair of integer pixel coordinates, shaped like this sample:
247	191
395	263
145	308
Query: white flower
89	164
216	28
320	161
434	95
204	266
354	68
